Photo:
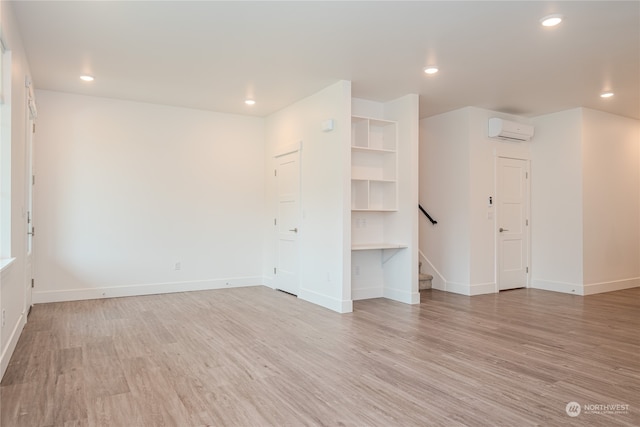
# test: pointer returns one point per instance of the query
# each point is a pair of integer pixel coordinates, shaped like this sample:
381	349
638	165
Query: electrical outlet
357	270
178	266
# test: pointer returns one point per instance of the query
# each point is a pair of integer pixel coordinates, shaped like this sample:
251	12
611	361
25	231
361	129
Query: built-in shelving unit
373	180
373	165
383	153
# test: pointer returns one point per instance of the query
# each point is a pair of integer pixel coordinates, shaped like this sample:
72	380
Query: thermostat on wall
327	125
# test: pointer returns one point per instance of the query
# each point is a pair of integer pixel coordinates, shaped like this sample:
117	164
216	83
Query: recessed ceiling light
87	78
606	95
249	102
551	20
431	70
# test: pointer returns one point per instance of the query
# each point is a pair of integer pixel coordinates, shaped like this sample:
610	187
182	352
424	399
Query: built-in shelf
371	150
373	195
388	250
374	210
376	246
373	165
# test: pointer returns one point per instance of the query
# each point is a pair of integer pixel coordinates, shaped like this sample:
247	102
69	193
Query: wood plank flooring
258	357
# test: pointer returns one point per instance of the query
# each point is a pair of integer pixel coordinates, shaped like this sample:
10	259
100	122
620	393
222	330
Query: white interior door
512	221
287	177
29	183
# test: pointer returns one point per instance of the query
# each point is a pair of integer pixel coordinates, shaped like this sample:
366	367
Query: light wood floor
258	357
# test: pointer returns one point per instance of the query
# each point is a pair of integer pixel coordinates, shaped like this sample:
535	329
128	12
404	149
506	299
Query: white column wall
401	270
324	237
557	202
611	203
444	192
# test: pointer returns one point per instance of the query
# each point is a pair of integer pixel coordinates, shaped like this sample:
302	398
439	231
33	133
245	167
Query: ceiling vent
509	131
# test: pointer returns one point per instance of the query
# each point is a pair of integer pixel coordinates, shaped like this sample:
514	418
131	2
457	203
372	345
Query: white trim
268	282
401	295
457	288
438	282
613	285
483	288
33	111
341	306
517	152
5	264
143	289
586	289
564	287
288	149
470	289
366	293
8	350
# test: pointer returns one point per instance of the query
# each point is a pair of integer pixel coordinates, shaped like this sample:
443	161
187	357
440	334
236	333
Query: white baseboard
470	289
614	285
402	295
8	349
341	306
586	289
440	286
483	288
40	297
564	287
269	282
366	293
457	288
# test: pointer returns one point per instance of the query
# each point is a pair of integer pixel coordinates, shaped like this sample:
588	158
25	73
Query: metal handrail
433	221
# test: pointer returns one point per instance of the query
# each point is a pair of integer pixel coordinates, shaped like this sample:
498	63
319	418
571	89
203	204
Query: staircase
425	279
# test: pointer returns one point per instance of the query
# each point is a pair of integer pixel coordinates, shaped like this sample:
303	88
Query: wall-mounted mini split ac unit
508	130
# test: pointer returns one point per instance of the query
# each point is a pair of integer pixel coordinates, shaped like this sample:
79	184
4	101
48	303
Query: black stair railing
433	221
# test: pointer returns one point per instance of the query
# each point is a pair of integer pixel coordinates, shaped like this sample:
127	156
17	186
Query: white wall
13	279
444	193
611	206
556	194
585	202
325	194
126	190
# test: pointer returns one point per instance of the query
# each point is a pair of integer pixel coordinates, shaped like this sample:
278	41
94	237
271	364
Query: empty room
310	213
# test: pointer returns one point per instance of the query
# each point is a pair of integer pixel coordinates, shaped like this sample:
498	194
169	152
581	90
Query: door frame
525	157
31	117
284	151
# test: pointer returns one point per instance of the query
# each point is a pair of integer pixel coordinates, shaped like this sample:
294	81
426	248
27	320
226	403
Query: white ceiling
212	55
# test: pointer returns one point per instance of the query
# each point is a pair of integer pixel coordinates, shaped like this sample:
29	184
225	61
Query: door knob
503	229
295	230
